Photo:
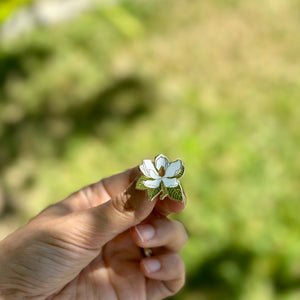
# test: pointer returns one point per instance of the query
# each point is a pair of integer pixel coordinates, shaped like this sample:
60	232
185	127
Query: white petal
174	168
144	170
170	182
154	174
152	183
148	169
161	161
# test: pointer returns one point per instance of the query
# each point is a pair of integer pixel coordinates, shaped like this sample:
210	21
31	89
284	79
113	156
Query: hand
88	247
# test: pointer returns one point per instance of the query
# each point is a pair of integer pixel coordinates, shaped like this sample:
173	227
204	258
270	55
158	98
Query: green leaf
176	193
152	193
140	183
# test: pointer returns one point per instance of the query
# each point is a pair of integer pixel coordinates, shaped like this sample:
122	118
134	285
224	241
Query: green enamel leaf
152	193
140	183
175	193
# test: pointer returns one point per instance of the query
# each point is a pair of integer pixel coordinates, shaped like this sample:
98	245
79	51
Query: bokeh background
87	91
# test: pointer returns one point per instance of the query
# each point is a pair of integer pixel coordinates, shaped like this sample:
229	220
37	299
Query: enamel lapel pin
161	177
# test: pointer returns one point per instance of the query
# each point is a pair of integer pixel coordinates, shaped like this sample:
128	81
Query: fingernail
152	265
145	232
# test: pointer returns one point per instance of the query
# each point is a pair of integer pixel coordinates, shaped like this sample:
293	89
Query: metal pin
147	252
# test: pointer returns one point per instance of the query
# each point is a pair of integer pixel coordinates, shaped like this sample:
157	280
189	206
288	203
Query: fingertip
165	267
168	206
150	265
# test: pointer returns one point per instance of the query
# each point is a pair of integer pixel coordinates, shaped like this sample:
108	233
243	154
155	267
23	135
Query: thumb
106	221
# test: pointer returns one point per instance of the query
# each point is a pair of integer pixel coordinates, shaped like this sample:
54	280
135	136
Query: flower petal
152	183
174	168
161	161
170	182
148	169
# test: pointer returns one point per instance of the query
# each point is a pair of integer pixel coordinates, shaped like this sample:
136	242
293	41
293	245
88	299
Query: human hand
88	247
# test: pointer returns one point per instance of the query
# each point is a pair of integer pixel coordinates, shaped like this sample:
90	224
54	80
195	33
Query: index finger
168	206
102	191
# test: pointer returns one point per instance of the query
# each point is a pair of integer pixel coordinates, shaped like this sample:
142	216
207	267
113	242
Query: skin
88	246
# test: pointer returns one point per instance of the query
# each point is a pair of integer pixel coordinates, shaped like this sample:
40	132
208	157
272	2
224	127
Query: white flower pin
161	176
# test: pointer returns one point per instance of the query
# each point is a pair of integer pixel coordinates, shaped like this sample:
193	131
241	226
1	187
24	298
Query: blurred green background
215	83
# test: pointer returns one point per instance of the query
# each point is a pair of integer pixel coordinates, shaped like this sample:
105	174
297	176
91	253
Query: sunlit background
90	88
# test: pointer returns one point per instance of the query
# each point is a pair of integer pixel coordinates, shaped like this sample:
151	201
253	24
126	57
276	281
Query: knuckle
176	286
122	207
181	275
181	283
120	203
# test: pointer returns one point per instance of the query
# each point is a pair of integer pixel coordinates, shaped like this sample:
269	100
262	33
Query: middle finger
160	232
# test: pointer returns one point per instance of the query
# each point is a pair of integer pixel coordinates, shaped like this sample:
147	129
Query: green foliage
8	6
140	183
152	193
217	86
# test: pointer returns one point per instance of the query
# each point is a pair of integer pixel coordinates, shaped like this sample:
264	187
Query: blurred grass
7	7
214	83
